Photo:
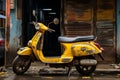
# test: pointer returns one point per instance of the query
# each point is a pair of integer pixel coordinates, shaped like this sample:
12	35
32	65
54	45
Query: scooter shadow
57	72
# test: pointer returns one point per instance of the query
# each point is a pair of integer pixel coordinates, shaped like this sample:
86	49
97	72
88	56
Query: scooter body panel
59	59
24	51
71	50
84	49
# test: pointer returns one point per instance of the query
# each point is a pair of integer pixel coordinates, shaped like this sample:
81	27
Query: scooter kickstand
69	72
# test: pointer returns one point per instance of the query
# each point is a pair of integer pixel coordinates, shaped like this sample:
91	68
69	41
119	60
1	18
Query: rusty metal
7	29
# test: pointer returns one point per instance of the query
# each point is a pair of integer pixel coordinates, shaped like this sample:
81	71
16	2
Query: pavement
108	68
37	66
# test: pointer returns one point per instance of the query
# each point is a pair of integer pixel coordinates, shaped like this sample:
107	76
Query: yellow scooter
77	51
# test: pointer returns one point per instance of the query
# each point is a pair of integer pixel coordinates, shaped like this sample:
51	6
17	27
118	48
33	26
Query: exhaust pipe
88	62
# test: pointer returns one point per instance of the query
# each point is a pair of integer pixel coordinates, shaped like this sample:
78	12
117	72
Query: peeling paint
15	30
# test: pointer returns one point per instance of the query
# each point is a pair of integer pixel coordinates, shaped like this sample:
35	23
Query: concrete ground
36	66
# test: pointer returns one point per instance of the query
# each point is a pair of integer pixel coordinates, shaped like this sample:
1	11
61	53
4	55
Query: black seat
75	39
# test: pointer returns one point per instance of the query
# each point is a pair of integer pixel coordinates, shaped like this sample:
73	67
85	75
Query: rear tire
21	64
86	70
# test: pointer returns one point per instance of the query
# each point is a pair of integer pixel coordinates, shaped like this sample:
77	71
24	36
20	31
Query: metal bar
7	29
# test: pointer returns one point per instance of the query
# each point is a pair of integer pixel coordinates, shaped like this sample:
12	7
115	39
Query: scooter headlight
37	26
29	43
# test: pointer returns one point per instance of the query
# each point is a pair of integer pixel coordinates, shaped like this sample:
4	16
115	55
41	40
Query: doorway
46	12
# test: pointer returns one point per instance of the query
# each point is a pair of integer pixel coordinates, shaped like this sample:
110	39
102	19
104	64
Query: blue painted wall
15	32
118	27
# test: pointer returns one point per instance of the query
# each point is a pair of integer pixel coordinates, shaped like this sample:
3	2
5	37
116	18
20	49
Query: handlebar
33	22
51	30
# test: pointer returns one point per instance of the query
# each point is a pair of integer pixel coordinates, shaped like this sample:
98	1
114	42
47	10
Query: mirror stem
50	23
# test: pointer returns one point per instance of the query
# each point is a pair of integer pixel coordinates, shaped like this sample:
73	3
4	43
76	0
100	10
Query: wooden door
105	28
92	17
78	17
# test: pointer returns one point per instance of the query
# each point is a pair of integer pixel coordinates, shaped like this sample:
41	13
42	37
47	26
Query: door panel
78	17
105	28
92	17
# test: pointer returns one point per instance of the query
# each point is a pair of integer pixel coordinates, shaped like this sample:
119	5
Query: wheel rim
86	68
22	65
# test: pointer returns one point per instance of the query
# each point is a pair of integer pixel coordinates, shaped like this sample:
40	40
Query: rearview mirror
56	21
34	13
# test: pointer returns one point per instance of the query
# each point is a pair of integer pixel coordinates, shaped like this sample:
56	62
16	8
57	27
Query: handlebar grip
33	22
51	30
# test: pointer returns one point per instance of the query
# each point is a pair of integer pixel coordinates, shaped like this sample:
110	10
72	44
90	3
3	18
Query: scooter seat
75	39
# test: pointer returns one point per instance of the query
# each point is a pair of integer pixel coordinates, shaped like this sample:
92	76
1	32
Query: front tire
86	70
21	64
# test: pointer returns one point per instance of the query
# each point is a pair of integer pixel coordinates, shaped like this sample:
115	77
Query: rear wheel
86	70
21	64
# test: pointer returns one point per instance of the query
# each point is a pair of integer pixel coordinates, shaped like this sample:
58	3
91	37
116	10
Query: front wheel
86	70
21	64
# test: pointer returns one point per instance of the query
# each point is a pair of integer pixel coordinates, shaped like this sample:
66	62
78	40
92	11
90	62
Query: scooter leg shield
24	51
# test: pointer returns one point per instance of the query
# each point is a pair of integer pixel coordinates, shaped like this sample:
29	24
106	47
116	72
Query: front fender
24	51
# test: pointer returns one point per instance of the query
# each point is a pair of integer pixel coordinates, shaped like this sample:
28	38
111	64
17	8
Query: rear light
98	45
2	42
